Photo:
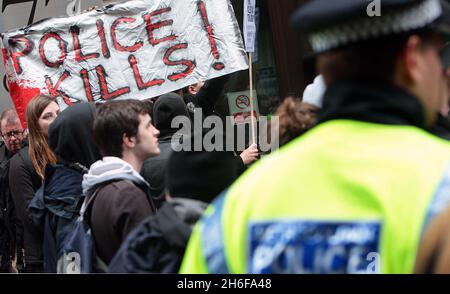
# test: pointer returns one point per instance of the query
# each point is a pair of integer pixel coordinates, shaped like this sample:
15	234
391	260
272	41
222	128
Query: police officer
357	192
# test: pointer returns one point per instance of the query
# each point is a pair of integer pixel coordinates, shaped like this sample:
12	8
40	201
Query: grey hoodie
108	169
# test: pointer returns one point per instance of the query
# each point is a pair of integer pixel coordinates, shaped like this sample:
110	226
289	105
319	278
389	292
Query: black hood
70	135
165	109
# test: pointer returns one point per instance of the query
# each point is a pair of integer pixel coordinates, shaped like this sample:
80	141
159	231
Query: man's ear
192	90
129	142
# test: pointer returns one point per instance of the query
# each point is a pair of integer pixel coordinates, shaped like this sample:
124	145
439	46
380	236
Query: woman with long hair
41	112
26	174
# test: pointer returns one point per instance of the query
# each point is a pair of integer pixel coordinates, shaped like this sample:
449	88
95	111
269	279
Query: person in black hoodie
165	109
204	95
193	180
56	205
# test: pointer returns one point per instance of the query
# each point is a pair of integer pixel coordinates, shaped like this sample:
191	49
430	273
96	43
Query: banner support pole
250	71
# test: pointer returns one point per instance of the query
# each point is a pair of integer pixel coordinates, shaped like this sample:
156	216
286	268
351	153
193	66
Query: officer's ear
410	65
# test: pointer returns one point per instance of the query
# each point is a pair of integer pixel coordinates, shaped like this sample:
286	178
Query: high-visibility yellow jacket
347	197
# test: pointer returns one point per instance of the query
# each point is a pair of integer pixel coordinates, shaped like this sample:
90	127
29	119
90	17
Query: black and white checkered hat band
364	28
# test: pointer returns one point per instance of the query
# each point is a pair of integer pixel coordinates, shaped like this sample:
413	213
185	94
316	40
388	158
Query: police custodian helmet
334	24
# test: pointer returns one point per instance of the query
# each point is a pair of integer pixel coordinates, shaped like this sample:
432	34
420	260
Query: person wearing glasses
12	134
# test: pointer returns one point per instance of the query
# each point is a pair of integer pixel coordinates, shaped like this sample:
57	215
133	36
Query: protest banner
133	50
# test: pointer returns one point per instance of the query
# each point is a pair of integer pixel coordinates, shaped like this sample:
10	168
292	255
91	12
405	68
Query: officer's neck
372	101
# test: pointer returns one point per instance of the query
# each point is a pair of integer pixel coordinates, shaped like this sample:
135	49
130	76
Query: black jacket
118	208
158	244
11	230
206	99
24	182
55	208
5	224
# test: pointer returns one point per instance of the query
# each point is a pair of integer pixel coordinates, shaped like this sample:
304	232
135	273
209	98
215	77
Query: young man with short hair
125	135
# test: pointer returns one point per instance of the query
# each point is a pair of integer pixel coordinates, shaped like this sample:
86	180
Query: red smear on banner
20	96
5	56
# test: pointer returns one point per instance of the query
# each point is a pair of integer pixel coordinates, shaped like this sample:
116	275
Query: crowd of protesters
119	153
342	173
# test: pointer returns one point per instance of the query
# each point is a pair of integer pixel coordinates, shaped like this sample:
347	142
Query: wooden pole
250	71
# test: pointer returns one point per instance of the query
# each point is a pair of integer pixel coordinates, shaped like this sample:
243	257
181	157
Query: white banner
137	49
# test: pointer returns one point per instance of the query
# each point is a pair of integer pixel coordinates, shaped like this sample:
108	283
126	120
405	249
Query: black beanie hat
165	109
200	175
